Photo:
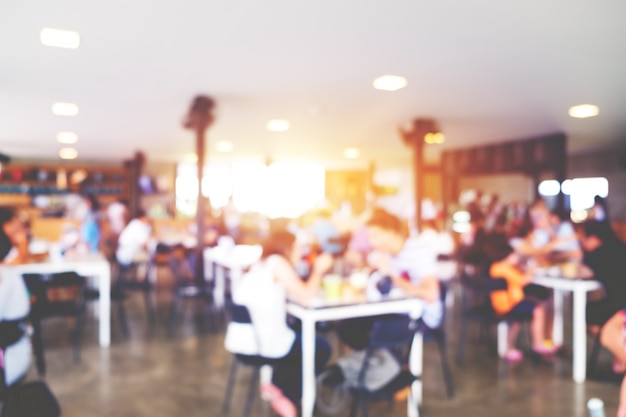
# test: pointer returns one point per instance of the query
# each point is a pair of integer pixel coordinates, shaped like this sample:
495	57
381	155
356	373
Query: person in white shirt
264	290
135	239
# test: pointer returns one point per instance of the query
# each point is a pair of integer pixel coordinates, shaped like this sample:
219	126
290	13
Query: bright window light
59	38
461	217
390	82
582	191
250	186
295	188
217	184
549	188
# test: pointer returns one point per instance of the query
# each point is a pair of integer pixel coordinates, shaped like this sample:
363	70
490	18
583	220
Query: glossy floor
152	375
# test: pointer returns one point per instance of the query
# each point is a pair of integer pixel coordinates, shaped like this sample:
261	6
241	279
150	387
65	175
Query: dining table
353	305
94	265
563	284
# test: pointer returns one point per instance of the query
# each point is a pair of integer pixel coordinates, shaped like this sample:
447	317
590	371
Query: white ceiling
487	70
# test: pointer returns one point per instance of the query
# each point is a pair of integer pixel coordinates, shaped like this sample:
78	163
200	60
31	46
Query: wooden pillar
199	119
415	139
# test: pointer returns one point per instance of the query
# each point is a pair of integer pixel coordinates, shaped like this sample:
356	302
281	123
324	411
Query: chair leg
354	405
363	403
174	315
445	365
595	353
123	319
229	387
38	349
254	384
76	336
462	336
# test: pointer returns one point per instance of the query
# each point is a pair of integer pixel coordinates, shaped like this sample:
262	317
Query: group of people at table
409	263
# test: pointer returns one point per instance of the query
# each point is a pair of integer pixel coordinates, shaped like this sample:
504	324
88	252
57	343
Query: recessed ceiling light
390	82
352	153
67	137
434	138
224	146
59	38
583	111
64	109
68	153
278	125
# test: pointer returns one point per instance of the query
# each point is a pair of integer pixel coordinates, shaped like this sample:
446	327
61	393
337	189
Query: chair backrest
239	314
54	295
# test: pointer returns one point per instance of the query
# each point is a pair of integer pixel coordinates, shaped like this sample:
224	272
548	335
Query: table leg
104	305
415	366
557	321
503	338
579	337
308	367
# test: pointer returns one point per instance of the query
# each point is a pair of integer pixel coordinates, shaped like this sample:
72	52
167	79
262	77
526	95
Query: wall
509	187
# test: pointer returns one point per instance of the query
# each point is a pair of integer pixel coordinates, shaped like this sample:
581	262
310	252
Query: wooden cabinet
26	180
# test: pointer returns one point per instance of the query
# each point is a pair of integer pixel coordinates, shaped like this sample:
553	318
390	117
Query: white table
322	311
88	265
579	288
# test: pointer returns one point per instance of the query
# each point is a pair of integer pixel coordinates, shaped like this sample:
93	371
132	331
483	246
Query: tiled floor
151	375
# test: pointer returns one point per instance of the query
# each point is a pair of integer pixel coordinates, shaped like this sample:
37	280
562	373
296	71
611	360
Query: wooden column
199	119
415	139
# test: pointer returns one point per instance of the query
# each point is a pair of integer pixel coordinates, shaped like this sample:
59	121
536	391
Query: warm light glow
190	158
68	153
583	111
67	137
549	188
390	82
461	217
352	153
278	125
434	138
64	109
59	38
224	146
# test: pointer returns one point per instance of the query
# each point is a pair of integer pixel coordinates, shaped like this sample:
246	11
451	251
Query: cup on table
333	284
569	269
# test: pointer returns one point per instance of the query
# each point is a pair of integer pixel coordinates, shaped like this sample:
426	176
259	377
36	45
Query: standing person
90	224
14	301
408	264
264	290
117	214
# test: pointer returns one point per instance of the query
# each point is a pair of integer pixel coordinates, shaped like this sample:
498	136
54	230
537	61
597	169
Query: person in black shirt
605	255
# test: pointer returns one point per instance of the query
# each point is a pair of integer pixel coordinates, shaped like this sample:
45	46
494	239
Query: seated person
521	299
612	338
133	242
604	255
410	266
264	290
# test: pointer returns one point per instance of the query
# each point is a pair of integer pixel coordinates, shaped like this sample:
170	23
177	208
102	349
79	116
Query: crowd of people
515	242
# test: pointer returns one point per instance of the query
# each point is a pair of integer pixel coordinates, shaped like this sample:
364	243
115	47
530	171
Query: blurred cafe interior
312	208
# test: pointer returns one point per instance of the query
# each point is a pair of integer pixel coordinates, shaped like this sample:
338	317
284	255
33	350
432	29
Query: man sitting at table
605	255
134	240
410	266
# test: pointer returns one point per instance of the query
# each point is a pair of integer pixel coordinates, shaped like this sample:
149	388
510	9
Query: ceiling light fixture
68	153
390	82
434	138
224	146
583	111
67	137
64	109
278	125
352	153
59	38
